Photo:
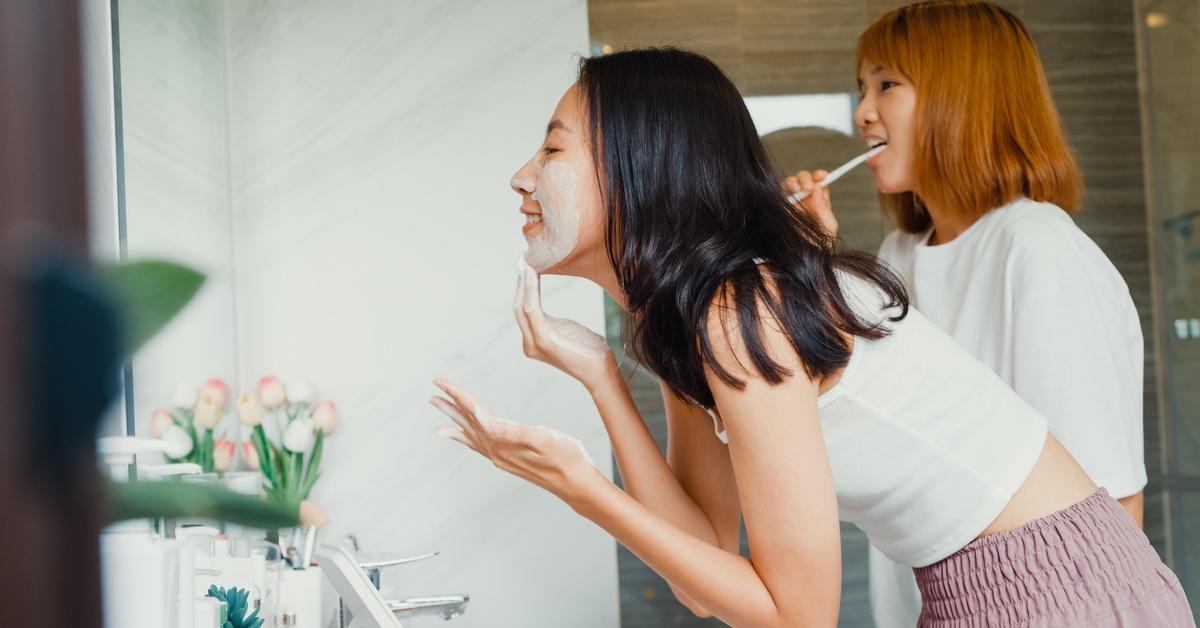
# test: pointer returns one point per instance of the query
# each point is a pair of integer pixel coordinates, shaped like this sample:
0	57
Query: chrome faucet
374	568
448	606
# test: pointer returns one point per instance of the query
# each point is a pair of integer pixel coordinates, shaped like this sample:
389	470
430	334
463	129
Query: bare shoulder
733	348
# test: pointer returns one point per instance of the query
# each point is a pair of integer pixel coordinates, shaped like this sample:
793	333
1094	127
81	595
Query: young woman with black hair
799	387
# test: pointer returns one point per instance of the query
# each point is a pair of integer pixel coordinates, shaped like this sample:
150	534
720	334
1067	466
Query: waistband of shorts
1031	570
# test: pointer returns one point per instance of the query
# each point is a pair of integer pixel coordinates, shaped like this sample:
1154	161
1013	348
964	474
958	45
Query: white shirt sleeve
1077	358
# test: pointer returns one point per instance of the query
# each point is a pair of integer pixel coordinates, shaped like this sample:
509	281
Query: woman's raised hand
541	455
817	204
563	344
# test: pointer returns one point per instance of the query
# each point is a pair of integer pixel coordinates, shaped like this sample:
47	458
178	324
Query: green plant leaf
309	482
205	501
207	451
292	473
237	602
314	465
253	621
259	438
277	461
194	454
149	294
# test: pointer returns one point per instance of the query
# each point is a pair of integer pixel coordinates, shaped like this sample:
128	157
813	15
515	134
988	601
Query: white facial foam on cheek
560	218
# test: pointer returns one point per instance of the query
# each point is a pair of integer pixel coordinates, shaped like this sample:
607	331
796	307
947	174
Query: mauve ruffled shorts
1088	565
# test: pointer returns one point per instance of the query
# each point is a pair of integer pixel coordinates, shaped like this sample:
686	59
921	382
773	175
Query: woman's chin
570	266
544	266
886	186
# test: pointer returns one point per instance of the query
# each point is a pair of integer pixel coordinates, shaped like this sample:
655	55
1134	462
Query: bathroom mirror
170	195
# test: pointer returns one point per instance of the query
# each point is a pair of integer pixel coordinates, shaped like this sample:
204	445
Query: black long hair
691	200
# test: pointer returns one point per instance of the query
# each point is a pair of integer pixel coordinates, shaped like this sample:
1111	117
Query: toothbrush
837	174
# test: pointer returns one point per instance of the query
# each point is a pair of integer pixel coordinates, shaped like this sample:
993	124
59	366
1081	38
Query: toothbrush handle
797	197
838	172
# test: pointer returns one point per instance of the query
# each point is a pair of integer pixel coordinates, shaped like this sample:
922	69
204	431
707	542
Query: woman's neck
596	269
947	225
608	282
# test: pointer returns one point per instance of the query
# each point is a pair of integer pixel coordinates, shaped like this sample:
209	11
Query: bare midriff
1055	483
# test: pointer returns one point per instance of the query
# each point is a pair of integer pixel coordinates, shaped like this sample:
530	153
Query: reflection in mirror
174	171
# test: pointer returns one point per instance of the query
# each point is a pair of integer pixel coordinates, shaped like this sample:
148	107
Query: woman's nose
865	112
525	180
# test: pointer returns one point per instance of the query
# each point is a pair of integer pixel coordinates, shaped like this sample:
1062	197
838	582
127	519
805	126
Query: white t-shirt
1030	295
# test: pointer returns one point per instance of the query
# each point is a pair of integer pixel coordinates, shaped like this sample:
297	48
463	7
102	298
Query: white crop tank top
926	444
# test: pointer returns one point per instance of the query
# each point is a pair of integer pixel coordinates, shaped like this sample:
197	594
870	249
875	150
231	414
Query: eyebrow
556	124
874	71
877	70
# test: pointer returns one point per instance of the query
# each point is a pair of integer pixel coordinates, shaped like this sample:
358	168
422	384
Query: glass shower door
1170	47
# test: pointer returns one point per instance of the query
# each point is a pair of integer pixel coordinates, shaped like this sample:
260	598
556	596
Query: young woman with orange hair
980	179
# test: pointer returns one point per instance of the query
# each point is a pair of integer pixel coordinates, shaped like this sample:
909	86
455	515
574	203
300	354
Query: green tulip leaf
135	500
149	293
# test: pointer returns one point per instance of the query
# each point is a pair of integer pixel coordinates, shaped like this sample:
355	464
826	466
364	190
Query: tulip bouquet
189	426
291	466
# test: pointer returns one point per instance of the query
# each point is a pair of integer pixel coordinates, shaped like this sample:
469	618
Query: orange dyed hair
986	130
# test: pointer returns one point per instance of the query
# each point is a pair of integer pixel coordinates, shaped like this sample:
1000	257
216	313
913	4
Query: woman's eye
883	86
549	151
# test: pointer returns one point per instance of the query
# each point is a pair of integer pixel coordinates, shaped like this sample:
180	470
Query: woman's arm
794	577
782	471
695	492
731	585
700	461
707	495
786	492
1135	505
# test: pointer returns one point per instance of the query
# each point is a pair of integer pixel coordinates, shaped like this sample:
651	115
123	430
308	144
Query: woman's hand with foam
563	344
544	456
818	204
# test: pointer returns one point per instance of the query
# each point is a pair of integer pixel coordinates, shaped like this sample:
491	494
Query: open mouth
875	143
533	224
